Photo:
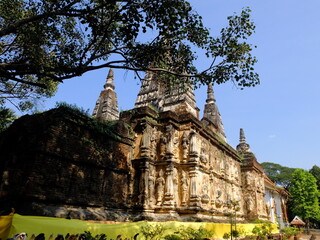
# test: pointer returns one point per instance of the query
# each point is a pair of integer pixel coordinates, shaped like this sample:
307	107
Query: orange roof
297	221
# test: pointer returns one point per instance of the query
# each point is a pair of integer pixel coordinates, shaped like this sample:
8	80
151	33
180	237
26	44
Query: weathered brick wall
60	158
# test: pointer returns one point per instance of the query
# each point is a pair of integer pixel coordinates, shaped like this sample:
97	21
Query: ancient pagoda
157	161
181	167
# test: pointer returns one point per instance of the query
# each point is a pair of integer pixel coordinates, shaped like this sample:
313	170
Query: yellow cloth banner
5	226
10	225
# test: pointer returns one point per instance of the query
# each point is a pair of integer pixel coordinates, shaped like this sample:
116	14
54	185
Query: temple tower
252	181
107	104
211	115
150	93
178	99
243	146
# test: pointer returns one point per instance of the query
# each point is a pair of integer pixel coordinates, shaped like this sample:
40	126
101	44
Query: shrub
172	237
235	233
226	236
290	231
263	231
154	232
195	234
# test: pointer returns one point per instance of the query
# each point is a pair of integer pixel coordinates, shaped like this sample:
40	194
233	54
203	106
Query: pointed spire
210	94
110	80
243	146
211	115
149	93
242	137
180	99
107	104
177	98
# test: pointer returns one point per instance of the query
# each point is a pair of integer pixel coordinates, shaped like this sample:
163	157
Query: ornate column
194	151
143	184
212	188
170	135
194	197
145	141
169	196
185	146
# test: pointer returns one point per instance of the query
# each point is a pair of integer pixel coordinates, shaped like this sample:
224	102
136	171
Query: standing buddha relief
168	143
160	183
170	139
153	143
162	148
185	146
145	139
203	152
184	188
151	185
175	177
193	146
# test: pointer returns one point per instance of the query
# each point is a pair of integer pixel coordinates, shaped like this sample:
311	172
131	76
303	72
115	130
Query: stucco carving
151	185
185	146
184	188
160	182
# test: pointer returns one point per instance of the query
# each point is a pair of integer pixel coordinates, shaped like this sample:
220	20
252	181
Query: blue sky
280	117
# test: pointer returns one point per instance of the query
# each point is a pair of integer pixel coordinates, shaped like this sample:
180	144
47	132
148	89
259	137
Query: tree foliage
6	118
44	42
304	195
315	171
280	175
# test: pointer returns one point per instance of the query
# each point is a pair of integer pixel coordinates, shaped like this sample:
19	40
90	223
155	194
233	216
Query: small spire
242	137
210	95
211	114
107	104
243	146
110	80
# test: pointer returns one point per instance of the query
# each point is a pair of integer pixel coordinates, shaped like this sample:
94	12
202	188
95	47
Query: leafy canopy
280	175
315	171
7	116
304	195
44	42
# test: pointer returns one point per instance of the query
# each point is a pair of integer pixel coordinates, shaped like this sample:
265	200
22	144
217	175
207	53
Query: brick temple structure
158	162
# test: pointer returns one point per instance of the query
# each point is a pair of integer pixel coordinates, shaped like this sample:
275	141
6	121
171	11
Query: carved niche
185	146
152	185
160	185
184	188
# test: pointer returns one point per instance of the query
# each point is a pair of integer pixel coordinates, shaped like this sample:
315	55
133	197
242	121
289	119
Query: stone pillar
169	196
170	135
212	185
194	197
194	151
143	184
145	141
151	185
